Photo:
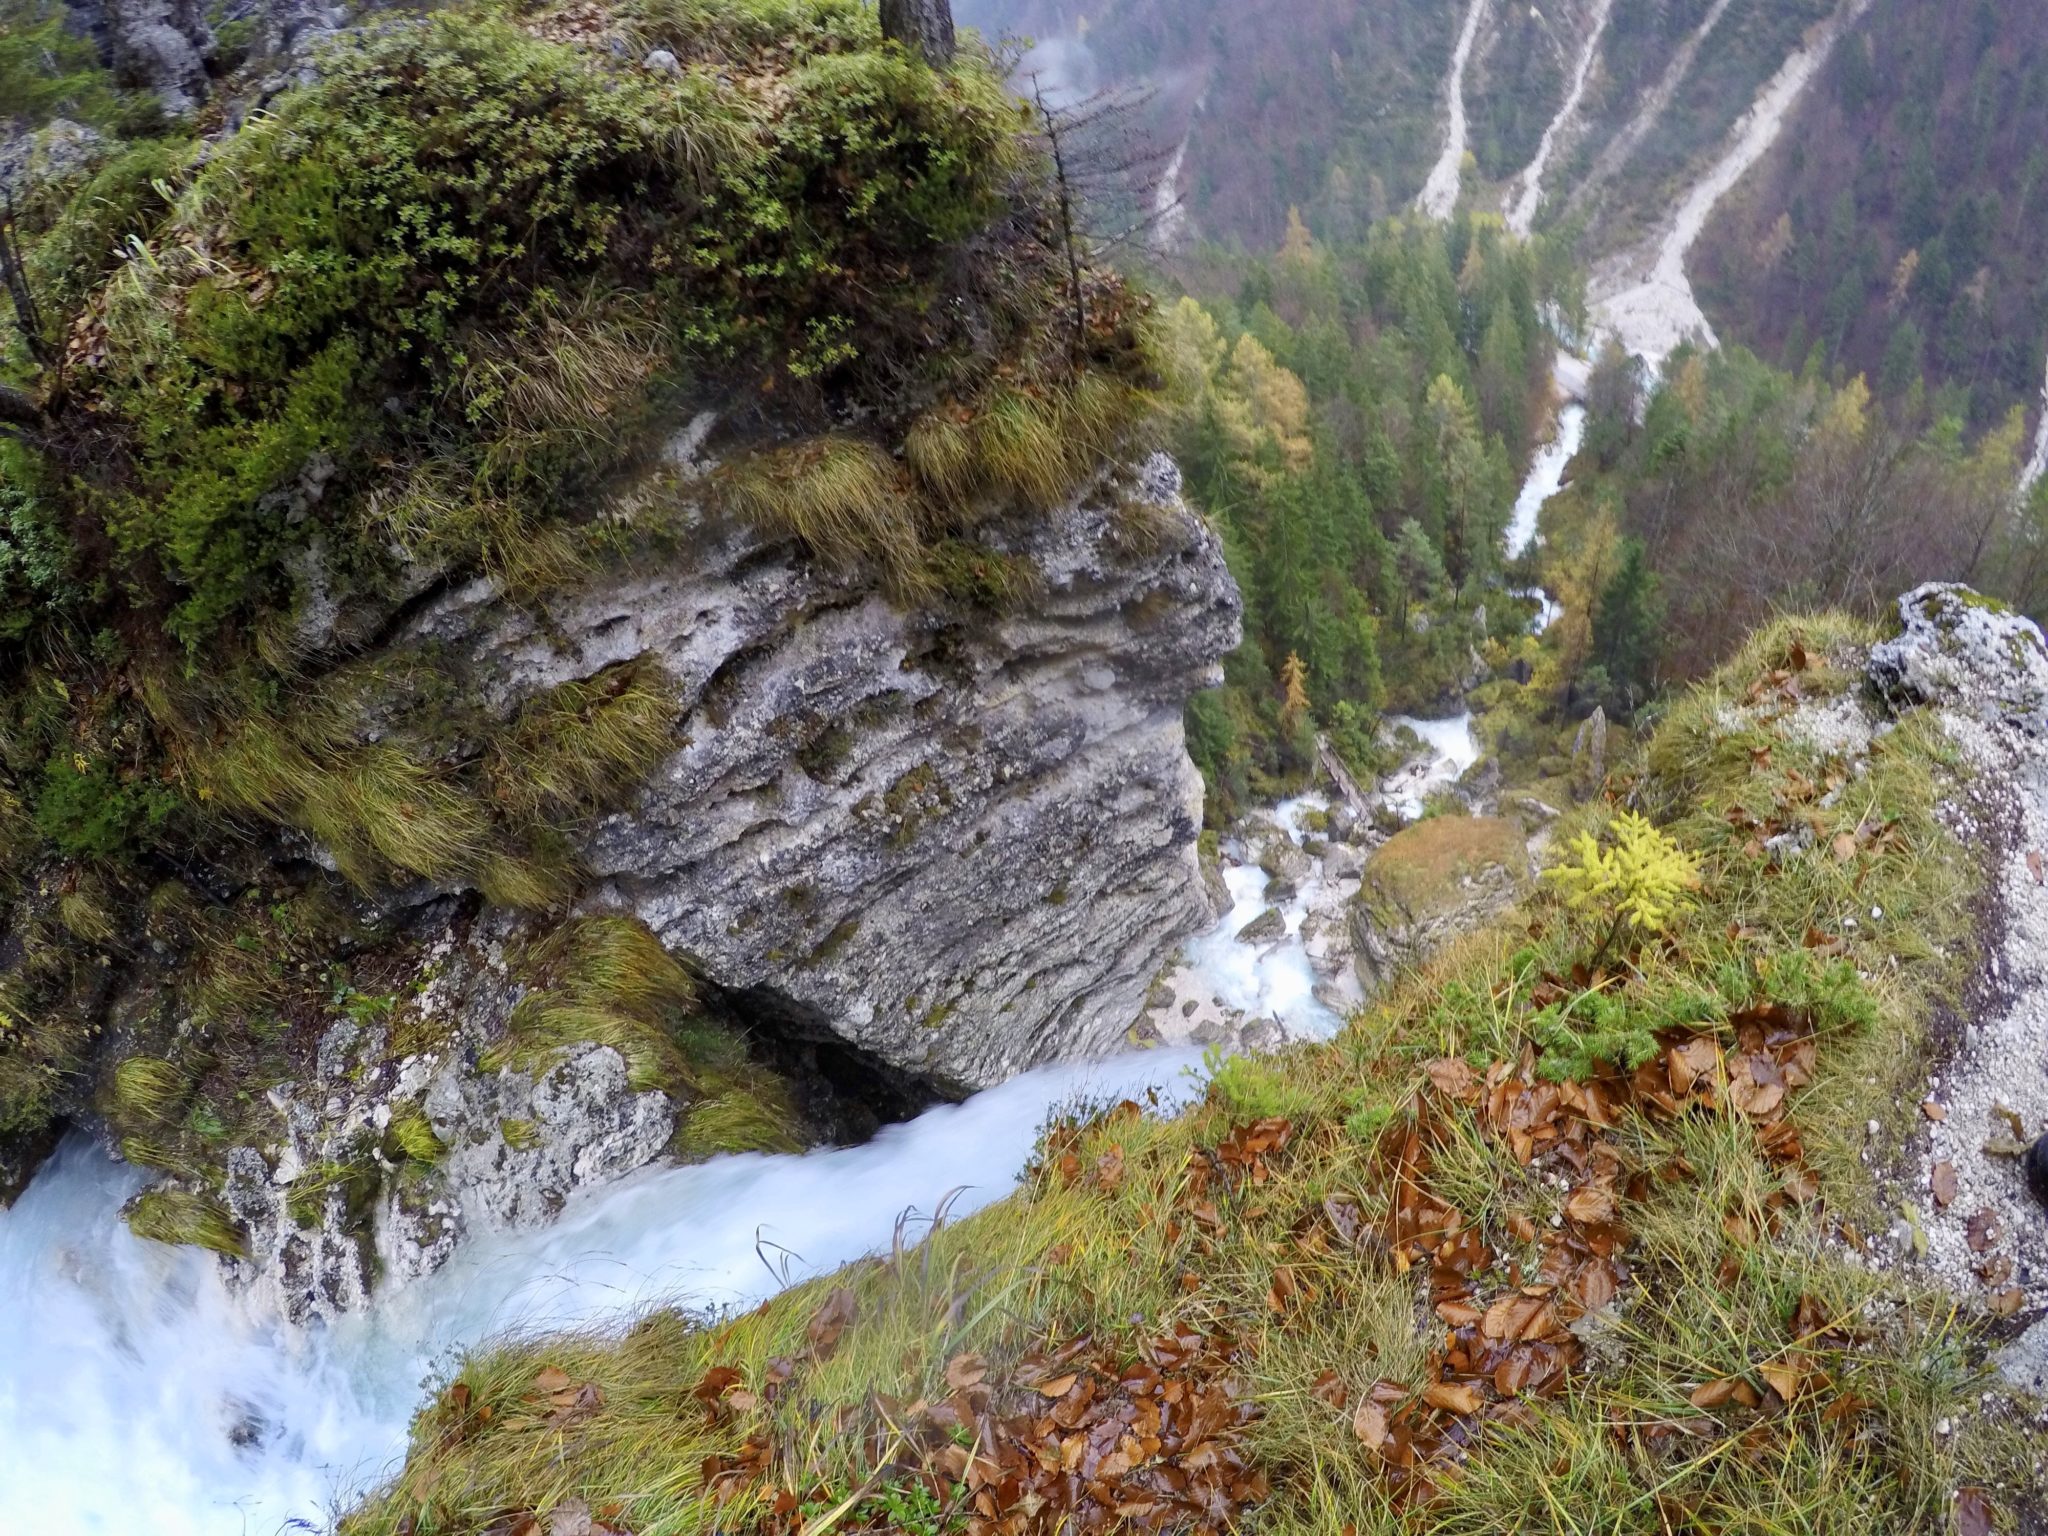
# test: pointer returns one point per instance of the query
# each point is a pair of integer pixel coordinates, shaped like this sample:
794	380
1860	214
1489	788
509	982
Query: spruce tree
1626	628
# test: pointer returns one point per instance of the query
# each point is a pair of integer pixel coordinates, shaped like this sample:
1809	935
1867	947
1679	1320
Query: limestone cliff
902	849
962	842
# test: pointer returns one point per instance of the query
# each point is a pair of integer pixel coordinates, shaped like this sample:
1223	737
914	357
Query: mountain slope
1901	225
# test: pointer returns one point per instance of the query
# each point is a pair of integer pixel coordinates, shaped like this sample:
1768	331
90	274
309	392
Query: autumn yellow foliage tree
1640	881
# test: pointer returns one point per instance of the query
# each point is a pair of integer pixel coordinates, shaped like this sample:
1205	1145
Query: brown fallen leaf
830	1321
1369	1423
2008	1301
1713	1394
964	1371
1590	1204
1452	1076
1452	1397
1059	1386
1981	1231
551	1380
1974	1514
2011	1117
1791	1379
1943	1182
714	1383
2037	866
1845	847
1933	1111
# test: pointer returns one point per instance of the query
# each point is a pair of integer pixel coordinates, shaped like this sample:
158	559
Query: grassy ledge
1563	1235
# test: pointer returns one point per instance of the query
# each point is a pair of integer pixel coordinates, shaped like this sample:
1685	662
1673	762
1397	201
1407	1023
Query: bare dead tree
925	27
1106	167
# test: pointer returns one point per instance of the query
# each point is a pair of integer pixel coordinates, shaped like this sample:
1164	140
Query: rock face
1969	652
1429	883
962	841
335	1201
1986	671
929	844
159	45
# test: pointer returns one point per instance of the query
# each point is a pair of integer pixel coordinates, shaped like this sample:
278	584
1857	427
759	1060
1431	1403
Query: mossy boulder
1427	884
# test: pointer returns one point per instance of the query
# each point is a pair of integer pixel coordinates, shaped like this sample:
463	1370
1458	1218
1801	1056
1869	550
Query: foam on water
1546	477
1453	747
1273	980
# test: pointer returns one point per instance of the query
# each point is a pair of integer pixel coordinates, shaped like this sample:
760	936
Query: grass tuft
180	1216
584	744
413	1138
149	1089
840	496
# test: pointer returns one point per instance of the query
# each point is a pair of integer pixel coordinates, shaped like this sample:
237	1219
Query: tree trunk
923	26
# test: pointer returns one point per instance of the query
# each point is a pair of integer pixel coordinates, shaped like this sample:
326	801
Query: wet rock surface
903	851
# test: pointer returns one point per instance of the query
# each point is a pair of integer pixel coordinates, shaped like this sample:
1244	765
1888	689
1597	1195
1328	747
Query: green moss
1421	871
833	942
917	797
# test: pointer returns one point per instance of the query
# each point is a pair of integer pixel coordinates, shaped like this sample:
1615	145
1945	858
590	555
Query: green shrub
84	809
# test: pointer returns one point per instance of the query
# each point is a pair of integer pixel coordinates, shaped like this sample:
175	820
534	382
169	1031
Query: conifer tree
1625	628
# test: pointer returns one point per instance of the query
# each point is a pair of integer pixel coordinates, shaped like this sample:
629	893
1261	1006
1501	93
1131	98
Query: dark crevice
846	1092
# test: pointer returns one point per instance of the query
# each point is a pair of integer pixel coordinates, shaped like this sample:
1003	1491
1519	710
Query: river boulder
1429	883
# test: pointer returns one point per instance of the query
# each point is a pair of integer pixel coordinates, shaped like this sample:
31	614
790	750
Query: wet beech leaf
1452	1397
830	1321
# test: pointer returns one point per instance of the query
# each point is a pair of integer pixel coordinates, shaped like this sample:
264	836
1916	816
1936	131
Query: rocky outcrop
962	841
156	45
1979	1229
1428	884
907	849
415	1128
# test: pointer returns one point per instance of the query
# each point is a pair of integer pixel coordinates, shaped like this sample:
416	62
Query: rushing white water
128	1374
1439	194
2037	466
1274	980
1170	221
1453	747
1524	207
1546	477
1653	308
